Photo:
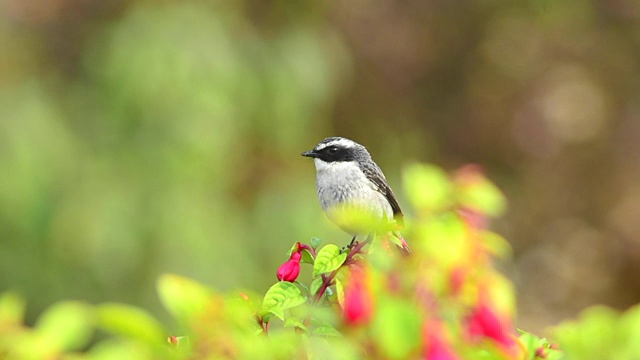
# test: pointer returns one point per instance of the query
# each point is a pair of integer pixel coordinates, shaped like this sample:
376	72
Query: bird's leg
350	246
353	241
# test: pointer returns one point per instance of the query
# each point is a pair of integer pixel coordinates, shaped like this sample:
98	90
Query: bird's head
338	149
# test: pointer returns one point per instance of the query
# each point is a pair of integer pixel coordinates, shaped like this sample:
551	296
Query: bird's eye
333	149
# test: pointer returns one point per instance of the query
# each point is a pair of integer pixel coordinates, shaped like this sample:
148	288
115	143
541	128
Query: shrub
445	301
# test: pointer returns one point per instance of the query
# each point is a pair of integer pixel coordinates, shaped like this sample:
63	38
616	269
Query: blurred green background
138	138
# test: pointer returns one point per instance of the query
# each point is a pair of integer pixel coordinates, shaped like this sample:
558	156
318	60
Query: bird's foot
352	243
348	248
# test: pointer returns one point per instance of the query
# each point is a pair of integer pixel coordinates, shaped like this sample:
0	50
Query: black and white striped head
338	149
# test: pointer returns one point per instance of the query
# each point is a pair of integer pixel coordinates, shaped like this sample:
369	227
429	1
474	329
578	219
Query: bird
353	191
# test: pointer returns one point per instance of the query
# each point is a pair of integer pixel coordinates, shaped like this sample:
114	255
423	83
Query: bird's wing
375	175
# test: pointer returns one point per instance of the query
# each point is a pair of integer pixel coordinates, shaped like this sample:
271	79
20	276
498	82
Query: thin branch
328	280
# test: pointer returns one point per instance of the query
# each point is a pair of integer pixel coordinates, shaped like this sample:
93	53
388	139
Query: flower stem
328	280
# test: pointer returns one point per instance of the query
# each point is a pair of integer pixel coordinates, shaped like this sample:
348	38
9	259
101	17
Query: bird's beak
310	154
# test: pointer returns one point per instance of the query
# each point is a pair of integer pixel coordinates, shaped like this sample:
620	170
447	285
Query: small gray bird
347	178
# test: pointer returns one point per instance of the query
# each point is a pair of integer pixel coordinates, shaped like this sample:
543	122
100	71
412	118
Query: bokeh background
139	137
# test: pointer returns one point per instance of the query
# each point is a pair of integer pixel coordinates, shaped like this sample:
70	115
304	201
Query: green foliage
281	296
397	327
329	258
64	327
11	310
539	348
183	298
130	322
477	193
67	325
418	177
601	333
443	302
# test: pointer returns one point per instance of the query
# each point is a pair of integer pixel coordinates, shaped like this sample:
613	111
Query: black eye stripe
332	153
330	150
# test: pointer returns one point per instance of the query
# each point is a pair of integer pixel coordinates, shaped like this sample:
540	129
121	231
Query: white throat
338	169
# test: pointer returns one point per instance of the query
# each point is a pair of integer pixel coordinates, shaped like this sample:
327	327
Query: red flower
358	300
290	270
485	323
437	347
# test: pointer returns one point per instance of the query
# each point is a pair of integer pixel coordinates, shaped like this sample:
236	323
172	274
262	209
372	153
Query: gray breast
345	184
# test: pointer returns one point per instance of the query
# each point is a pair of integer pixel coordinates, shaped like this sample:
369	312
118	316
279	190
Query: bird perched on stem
353	191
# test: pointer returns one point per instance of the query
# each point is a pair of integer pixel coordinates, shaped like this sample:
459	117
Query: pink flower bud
296	256
290	270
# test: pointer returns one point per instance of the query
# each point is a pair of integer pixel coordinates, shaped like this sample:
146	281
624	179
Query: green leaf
315	285
496	244
131	322
282	296
266	316
315	242
594	336
326	330
11	310
397	328
333	348
66	326
443	239
554	354
544	342
182	297
278	312
531	344
240	312
291	322
329	258
307	257
118	348
483	196
339	291
427	186
501	291
630	329
303	286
